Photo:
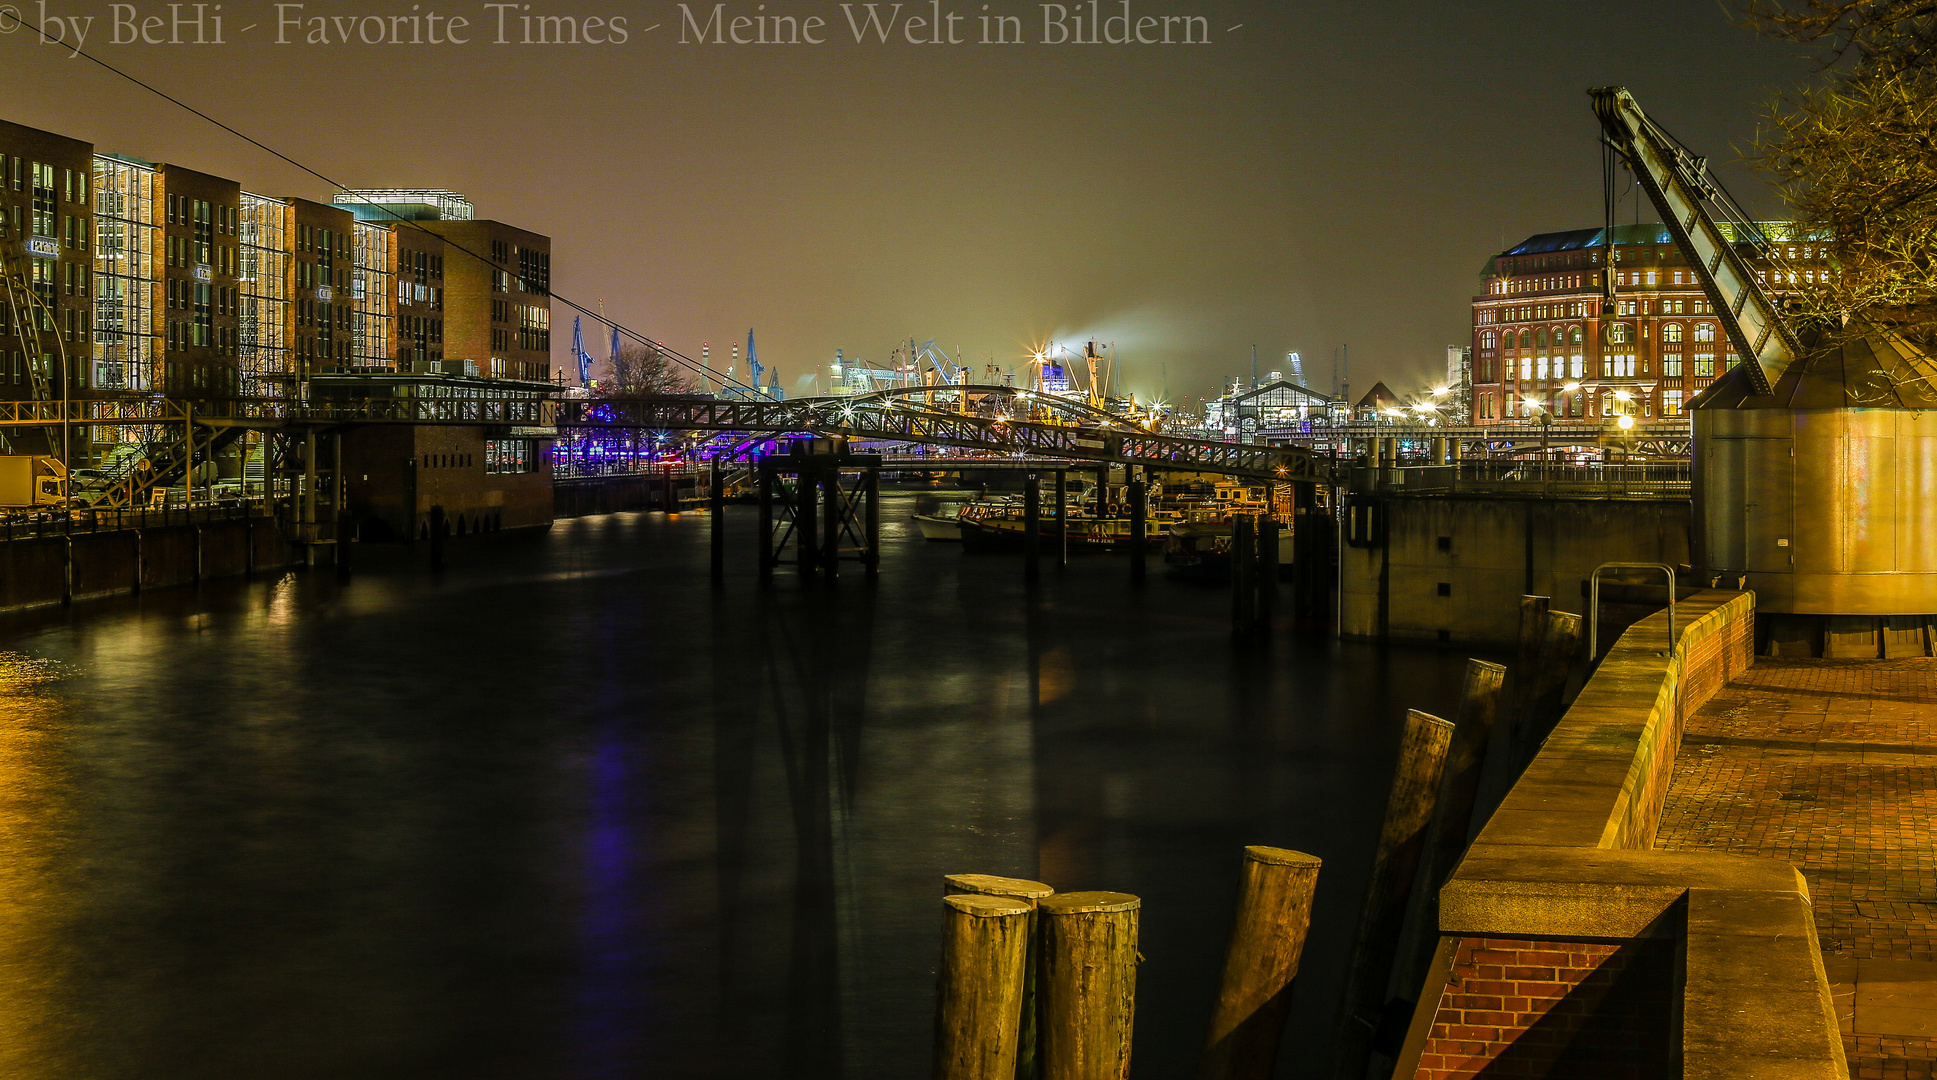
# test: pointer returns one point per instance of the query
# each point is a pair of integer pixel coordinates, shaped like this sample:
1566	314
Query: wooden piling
1452	823
978	1006
1395	864
832	513
1545	682
716	507
1273	915
1031	527
871	491
1267	561
1244	584
1062	517
1033	892
807	496
767	553
1526	656
1088	984
1139	527
437	535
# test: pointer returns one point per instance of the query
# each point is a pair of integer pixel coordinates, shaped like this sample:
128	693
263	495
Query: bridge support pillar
823	520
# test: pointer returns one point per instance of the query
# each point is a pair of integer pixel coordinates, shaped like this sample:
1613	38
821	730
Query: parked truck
31	480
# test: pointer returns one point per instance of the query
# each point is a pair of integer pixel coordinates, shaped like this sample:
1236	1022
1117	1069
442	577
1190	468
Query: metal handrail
1594	602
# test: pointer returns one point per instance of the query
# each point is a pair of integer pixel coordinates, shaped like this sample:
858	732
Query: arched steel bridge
1000	419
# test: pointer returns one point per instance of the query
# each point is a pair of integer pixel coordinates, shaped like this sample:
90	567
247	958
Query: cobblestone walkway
1832	765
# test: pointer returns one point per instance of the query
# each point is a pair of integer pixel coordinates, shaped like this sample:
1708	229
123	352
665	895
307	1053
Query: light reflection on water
564	810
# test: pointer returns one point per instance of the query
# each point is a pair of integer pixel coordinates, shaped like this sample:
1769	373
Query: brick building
47	228
498	282
1542	342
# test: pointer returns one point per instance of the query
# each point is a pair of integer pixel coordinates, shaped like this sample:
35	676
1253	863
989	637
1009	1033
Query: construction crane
1809	483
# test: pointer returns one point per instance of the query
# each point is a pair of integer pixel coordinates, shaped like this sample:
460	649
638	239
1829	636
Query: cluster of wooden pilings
1435	805
1040	985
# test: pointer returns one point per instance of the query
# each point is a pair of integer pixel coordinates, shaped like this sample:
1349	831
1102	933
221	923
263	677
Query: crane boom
1677	182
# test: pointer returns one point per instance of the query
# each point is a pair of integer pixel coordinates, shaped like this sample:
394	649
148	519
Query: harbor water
565	809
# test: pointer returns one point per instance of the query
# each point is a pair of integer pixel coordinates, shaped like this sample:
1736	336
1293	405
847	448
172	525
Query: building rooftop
405	204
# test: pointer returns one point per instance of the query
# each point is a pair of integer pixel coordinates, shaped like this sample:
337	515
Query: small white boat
944	529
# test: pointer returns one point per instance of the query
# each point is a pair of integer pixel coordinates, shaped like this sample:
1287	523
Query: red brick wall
1714	648
1523	1008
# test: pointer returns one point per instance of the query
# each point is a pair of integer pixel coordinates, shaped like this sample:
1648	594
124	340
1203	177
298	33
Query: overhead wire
726	379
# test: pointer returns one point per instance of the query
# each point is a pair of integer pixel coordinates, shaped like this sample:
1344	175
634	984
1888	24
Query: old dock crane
1815	455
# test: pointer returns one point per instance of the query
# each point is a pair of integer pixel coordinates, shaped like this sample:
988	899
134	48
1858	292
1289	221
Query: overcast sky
1315	175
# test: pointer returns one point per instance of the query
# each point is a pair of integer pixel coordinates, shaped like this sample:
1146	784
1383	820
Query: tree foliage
645	369
1855	156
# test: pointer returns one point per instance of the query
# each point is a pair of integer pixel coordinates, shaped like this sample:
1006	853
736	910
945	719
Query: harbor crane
1810	484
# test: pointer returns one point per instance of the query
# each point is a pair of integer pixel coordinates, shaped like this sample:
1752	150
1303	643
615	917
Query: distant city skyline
1311	177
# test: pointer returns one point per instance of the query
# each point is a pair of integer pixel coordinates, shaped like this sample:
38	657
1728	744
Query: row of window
1617	334
1575	405
73	183
202	215
1700	365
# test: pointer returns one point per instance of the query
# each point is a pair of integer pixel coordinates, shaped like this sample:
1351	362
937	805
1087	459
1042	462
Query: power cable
9	14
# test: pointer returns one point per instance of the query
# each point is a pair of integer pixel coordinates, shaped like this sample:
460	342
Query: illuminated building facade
1541	343
498	288
48	231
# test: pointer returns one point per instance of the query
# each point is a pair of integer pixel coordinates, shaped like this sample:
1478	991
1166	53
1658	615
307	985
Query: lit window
1704	365
1671	332
1671	403
1704	331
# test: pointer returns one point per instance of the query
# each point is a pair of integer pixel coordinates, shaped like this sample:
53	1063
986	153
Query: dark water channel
563	810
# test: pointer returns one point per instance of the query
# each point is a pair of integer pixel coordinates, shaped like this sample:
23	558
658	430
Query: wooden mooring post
437	535
1452	821
1243	558
1088	988
978	1006
1267	940
1031	527
1033	892
1139	524
1402	839
1267	543
716	506
1062	518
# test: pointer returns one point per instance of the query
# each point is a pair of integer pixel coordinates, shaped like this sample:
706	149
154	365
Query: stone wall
1453	568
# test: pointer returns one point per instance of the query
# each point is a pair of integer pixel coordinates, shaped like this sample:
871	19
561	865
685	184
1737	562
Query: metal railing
1667	480
43	524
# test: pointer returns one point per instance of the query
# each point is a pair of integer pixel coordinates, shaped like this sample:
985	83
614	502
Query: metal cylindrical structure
1823	494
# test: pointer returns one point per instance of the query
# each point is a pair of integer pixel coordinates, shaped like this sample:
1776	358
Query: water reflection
565	810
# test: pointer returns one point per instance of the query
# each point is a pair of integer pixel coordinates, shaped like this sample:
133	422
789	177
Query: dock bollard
1088	988
1268	938
985	949
1033	892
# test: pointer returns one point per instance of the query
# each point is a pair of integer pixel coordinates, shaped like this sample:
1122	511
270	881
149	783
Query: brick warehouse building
1540	340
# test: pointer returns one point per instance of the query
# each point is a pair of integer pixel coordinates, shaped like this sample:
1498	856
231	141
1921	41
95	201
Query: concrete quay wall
1452	568
1568	947
53	569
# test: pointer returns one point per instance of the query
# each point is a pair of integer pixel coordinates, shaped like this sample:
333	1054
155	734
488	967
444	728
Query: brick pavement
1832	765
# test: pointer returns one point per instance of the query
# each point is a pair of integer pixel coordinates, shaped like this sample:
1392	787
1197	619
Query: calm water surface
564	810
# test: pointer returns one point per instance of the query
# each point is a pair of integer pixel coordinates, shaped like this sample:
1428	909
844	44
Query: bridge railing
1661	480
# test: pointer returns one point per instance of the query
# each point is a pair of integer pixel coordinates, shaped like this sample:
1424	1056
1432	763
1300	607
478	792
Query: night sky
1321	174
